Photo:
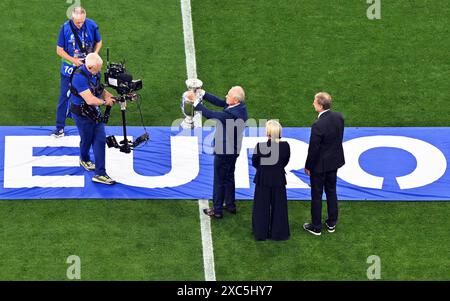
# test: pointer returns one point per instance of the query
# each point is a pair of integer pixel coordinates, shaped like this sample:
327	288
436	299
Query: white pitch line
208	252
189	49
189	46
191	67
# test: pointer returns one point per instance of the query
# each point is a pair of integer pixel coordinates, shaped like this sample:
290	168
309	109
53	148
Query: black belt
88	111
75	109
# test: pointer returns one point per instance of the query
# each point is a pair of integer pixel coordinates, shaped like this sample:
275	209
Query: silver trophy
192	118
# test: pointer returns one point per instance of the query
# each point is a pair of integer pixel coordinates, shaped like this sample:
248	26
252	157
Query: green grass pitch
388	72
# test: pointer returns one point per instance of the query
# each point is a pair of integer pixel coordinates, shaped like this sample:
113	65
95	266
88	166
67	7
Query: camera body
117	78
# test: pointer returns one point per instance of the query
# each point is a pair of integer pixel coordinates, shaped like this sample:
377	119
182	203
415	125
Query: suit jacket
227	140
273	174
325	152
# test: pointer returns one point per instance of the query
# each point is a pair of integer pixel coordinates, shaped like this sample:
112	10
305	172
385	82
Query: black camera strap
95	89
71	88
77	38
84	109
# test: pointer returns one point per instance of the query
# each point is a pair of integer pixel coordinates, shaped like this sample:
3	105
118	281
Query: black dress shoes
210	212
230	210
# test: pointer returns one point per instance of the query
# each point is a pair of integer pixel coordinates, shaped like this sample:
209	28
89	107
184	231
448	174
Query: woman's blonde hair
273	130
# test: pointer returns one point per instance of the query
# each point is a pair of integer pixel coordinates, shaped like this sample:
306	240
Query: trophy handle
191	120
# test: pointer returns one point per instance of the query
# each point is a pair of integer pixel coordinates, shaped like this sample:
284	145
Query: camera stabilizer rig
117	78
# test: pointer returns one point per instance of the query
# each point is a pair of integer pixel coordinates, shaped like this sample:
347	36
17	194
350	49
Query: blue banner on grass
409	164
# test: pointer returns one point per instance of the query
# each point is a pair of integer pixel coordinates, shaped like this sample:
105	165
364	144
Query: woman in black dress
270	212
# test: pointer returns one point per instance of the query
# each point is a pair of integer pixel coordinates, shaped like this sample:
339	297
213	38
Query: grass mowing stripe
207	244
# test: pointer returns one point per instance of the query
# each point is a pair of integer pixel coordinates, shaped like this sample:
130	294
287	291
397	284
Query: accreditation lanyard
75	38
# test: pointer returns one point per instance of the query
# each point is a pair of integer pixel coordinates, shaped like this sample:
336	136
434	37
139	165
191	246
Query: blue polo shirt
81	84
89	36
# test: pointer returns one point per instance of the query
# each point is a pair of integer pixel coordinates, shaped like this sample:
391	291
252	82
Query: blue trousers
224	187
92	134
61	108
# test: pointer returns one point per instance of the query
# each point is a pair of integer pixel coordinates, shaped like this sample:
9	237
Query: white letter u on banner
184	158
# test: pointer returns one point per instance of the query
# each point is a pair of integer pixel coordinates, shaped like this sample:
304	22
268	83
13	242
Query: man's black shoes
230	210
310	228
210	212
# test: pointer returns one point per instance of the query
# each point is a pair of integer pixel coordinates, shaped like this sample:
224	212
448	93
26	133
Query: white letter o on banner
431	162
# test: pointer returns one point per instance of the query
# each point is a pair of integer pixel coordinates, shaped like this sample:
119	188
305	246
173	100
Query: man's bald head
94	63
235	95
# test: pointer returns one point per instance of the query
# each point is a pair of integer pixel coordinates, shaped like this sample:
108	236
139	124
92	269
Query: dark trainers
210	212
308	227
88	165
58	133
230	210
329	228
103	179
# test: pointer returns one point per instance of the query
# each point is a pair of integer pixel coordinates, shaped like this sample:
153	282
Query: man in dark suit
230	125
325	156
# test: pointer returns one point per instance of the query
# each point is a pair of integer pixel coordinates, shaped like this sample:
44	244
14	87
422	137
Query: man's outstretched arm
211	114
214	100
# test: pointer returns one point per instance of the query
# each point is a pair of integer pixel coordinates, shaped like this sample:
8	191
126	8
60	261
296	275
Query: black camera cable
138	104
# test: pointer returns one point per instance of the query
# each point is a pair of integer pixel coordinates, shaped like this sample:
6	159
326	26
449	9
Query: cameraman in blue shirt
77	38
86	94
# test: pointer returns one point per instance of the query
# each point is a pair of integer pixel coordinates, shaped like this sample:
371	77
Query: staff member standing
325	156
86	89
77	38
270	211
230	125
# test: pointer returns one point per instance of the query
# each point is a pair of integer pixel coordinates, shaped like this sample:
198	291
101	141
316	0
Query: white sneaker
330	229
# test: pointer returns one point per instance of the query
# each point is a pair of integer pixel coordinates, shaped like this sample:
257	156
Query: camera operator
87	94
78	37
